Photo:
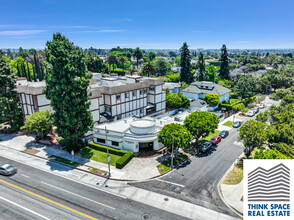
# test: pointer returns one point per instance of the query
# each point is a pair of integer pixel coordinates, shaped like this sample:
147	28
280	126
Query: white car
261	106
251	114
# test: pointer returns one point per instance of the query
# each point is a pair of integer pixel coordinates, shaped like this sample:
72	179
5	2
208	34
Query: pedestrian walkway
221	125
136	169
233	195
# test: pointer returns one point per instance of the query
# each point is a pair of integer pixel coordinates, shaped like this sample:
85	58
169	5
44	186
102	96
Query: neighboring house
131	134
111	98
198	105
197	90
173	87
176	69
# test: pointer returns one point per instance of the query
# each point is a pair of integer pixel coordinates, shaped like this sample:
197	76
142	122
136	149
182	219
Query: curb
219	189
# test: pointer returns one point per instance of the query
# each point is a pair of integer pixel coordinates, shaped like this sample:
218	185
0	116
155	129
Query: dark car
237	124
205	146
215	140
7	169
224	133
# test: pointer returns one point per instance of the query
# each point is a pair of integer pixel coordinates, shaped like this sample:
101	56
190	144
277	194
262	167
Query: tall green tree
123	60
201	123
246	86
182	137
149	68
185	64
201	67
152	56
66	87
138	55
162	66
224	72
253	134
10	110
112	60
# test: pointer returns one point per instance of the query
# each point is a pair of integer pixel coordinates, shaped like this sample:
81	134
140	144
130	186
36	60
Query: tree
212	99
185	102
182	137
138	55
173	101
123	60
39	123
9	54
253	134
112	60
224	71
149	68
269	154
10	109
162	66
201	123
201	66
185	64
246	86
287	99
211	72
33	51
152	56
172	53
66	87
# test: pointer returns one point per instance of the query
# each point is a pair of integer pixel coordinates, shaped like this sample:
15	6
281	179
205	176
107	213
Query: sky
149	24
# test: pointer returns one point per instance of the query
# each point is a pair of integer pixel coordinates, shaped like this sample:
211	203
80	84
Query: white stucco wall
190	95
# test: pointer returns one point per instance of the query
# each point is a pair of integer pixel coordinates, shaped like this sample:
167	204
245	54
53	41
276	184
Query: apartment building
111	98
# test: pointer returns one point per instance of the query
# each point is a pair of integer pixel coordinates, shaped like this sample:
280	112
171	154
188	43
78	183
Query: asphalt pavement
35	194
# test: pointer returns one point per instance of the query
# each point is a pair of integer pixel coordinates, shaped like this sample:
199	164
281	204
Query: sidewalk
136	169
233	194
221	125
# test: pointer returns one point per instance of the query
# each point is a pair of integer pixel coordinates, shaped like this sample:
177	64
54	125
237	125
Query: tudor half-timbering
111	98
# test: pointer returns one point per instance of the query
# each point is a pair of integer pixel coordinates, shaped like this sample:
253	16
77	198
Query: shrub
234	96
121	162
251	105
244	110
212	99
239	107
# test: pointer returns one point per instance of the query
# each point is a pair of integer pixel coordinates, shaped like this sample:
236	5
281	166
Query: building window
114	143
141	111
134	93
145	91
127	95
107	108
100	140
141	92
118	97
151	88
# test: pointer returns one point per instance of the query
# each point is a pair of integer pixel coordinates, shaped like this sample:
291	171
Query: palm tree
138	55
112	59
149	68
122	60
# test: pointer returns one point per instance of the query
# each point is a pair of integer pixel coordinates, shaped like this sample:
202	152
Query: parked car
262	106
224	134
205	146
215	140
251	113
255	110
7	169
237	124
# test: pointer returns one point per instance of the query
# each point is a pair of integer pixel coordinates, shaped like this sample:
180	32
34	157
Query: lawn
166	165
211	135
235	176
233	101
62	160
99	156
228	124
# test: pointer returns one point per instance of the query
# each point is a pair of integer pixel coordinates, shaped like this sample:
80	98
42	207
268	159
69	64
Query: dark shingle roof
195	87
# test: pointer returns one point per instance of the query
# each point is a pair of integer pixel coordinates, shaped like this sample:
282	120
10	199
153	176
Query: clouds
20	32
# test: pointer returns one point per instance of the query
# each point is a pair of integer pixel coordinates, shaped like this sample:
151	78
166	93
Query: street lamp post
108	156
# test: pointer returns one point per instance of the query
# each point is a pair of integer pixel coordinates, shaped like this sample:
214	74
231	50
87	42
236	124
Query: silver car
7	169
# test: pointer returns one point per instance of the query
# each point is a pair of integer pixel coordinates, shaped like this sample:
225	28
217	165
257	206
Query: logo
268	189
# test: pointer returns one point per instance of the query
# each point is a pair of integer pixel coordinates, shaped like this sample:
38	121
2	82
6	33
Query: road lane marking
57	174
49	200
171	182
25	176
35	213
77	195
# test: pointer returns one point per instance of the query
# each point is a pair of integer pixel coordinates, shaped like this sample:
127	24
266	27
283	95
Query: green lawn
233	101
166	165
62	160
99	156
211	135
228	124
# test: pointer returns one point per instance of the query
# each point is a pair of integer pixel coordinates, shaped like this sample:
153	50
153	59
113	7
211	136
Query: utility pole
234	114
108	156
172	155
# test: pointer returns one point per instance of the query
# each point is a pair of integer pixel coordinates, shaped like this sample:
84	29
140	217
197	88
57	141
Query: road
36	194
197	182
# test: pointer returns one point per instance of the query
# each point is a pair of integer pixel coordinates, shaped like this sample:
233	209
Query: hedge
245	101
120	163
234	96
